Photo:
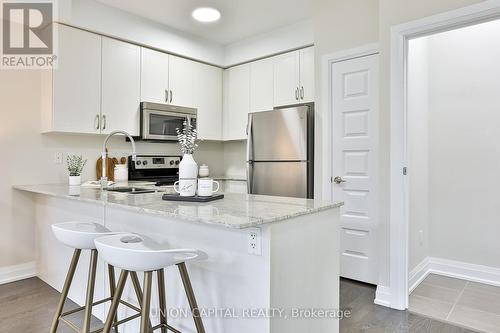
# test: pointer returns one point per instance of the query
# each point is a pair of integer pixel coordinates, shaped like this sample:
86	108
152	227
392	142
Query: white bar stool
80	236
135	253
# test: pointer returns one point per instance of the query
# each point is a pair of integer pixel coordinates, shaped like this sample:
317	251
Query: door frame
399	219
327	109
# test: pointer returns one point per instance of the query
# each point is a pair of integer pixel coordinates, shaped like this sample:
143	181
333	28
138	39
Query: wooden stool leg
191	298
90	292
116	301
65	290
146	302
163	300
112	288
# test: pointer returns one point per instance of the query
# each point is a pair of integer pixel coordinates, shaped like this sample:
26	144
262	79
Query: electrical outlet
254	242
58	158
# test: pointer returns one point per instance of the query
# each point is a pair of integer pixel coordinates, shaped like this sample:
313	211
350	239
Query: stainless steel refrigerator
280	152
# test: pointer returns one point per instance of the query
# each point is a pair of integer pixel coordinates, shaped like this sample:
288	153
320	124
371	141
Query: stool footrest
170	328
108	299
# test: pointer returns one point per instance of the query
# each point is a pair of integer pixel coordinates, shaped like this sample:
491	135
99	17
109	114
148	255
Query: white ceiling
240	18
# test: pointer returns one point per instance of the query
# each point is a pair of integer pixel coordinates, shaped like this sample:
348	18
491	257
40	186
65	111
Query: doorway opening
453	161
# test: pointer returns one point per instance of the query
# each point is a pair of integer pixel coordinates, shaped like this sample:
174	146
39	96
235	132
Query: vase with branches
187	137
75	163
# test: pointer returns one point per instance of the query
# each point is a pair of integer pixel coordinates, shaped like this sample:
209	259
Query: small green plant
75	164
187	138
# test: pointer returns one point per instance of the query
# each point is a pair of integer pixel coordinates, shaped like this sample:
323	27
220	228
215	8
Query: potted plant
188	169
75	168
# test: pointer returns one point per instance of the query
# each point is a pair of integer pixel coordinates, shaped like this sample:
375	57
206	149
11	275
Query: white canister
204	171
121	173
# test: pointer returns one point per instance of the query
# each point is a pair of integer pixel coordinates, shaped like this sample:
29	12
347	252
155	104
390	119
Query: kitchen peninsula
292	267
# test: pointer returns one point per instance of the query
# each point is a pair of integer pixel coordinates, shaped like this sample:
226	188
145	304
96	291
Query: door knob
339	180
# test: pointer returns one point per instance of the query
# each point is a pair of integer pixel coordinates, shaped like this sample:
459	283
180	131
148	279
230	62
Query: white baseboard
383	296
455	269
17	272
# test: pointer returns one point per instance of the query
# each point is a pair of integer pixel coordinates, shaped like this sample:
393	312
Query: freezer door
279	135
286	179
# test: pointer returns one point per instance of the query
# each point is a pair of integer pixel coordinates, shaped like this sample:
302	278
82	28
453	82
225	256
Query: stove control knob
177	162
145	163
172	162
138	162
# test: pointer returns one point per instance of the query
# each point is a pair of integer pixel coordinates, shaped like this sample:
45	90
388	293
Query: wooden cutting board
110	168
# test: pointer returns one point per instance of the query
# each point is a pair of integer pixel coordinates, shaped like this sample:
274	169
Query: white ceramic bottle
188	169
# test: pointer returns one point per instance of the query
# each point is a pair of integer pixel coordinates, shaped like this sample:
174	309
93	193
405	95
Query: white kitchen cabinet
154	76
307	75
286	78
121	86
294	77
236	102
208	100
262	85
180	81
72	90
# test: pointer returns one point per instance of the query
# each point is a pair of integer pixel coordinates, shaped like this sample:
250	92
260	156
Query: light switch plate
58	158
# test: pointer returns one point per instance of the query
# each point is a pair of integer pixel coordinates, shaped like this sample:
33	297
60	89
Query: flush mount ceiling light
206	14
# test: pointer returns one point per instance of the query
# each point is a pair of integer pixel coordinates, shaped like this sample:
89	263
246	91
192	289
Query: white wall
28	158
464	136
418	145
235	159
280	40
98	17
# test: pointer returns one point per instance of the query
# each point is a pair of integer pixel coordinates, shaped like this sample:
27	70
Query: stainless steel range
163	170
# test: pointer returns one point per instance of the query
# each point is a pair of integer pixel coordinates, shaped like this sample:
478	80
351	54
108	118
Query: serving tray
177	197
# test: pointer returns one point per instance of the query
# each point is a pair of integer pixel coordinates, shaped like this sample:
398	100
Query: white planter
75	180
188	169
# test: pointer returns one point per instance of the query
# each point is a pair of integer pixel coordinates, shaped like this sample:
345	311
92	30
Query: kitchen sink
132	190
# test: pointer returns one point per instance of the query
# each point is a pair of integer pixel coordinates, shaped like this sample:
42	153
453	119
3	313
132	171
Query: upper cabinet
294	77
154	76
72	91
180	81
166	79
236	102
208	100
261	85
121	86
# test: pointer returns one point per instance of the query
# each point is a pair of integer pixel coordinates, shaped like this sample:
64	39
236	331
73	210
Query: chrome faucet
104	178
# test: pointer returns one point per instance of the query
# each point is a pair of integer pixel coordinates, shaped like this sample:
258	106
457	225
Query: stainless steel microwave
161	121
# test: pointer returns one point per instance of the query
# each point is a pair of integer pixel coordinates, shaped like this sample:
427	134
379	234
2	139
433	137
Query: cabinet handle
171	96
166	96
302	92
103	121
297	93
97	122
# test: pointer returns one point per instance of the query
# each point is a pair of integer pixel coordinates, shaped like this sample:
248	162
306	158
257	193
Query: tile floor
468	304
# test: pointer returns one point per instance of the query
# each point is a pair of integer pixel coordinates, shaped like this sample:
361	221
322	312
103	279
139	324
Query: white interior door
355	138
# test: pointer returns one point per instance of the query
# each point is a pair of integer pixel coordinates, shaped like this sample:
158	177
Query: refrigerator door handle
249	177
249	138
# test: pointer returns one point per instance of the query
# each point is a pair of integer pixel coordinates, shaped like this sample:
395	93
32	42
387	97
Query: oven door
161	125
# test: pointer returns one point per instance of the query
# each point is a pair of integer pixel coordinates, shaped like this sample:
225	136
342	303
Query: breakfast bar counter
272	261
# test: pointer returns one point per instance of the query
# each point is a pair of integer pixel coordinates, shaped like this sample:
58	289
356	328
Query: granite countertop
234	211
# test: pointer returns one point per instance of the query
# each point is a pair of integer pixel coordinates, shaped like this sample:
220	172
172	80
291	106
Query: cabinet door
286	78
262	85
181	81
77	82
237	102
208	101
154	76
121	75
307	75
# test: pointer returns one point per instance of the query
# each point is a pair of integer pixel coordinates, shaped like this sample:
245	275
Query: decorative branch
75	165
187	138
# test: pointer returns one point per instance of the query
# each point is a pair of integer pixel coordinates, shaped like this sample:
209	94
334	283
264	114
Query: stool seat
79	235
133	252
